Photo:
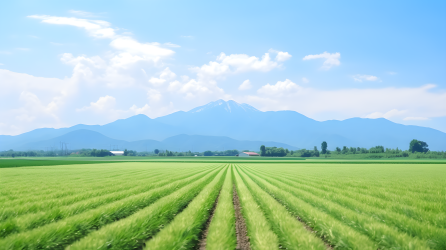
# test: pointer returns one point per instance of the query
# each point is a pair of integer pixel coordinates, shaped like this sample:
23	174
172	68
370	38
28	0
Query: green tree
208	153
157	151
262	150
324	147
338	150
315	152
345	150
418	146
126	152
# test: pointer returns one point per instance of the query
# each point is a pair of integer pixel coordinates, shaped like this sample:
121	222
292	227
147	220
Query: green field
222	203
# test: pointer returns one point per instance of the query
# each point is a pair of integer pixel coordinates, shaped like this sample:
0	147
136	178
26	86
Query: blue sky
92	62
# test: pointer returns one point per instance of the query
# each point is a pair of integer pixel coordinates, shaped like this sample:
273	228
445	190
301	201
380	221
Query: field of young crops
174	205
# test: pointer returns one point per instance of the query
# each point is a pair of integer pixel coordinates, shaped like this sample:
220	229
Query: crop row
34	220
282	207
57	235
398	231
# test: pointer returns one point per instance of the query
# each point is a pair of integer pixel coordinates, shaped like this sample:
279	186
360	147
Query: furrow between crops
221	231
397	210
204	233
45	204
328	228
432	202
31	221
32	188
433	235
260	233
292	233
58	193
382	234
132	232
54	203
183	231
58	235
409	205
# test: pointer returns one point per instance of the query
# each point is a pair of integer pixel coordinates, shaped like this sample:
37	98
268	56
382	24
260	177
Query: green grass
292	233
59	234
182	232
384	235
165	203
221	234
260	231
131	232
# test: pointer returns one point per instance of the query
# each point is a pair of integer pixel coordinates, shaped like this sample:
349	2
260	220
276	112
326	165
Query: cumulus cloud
165	75
282	56
245	85
305	80
280	88
237	63
393	103
330	59
103	104
127	50
96	28
360	78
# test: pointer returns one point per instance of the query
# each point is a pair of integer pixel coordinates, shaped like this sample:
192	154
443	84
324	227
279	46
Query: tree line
417	149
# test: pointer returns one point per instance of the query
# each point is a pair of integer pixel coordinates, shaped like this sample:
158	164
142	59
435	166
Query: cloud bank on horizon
107	70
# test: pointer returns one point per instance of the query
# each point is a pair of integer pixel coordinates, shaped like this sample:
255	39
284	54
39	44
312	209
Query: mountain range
228	125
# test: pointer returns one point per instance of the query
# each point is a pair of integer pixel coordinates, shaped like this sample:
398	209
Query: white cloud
171	45
23	49
190	37
280	88
411	118
305	80
330	59
82	13
103	104
360	78
237	63
139	51
154	95
392	73
391	102
143	110
282	56
1	64
166	75
96	28
387	115
245	85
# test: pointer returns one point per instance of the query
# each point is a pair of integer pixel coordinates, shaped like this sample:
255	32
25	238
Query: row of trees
417	149
273	151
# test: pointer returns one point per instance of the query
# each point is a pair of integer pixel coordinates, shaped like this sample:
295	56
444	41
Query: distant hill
243	122
84	138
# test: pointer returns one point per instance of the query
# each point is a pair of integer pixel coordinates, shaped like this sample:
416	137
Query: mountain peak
228	106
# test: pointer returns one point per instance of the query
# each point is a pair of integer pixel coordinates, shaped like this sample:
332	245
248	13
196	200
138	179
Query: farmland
223	204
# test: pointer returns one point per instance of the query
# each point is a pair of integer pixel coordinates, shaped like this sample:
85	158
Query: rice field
175	205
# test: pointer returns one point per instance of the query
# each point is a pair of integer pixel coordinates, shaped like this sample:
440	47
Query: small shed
248	154
117	152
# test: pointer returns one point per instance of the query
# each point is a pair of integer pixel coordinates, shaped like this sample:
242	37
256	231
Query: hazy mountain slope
201	143
84	138
243	122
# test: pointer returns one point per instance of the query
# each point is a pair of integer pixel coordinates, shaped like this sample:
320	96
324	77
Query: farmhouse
117	152
247	154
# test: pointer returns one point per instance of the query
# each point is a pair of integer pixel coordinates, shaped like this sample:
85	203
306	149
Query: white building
117	152
248	154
